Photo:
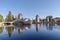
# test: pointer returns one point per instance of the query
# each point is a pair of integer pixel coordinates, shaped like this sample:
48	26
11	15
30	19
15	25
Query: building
44	20
57	19
37	19
26	19
20	16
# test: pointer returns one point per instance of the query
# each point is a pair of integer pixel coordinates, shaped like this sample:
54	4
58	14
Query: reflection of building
20	31
20	16
22	28
37	19
49	26
37	27
57	24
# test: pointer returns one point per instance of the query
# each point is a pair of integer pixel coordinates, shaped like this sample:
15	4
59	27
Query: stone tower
37	19
20	16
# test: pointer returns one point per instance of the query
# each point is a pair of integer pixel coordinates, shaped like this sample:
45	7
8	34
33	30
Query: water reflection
20	31
10	29
28	30
37	27
49	26
22	28
57	24
1	29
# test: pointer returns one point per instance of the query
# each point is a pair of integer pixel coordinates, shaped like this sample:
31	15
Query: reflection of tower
20	31
37	19
37	27
20	16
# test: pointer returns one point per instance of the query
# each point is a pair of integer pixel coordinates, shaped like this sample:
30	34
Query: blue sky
30	8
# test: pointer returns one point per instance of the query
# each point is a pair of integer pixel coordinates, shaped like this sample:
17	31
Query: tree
1	18
49	18
9	17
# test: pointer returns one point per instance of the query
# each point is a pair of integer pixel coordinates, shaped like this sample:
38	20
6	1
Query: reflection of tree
10	30
49	26
37	27
1	29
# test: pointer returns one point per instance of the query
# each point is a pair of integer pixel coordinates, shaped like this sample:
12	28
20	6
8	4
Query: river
30	32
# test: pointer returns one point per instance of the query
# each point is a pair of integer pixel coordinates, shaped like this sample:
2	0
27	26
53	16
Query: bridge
15	22
8	22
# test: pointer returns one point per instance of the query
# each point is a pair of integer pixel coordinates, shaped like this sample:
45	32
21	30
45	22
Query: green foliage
1	29
9	17
1	18
10	30
50	18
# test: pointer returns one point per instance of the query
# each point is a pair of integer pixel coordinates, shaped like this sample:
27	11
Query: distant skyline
30	8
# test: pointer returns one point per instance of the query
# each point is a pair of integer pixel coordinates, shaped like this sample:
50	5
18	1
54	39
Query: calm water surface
30	32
